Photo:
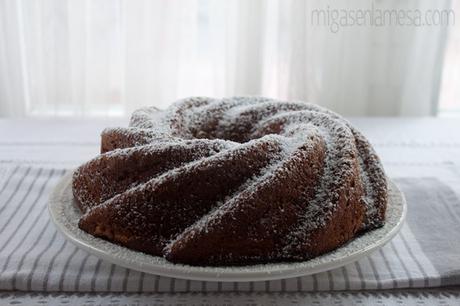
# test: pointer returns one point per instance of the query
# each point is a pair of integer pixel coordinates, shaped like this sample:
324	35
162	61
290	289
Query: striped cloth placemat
35	257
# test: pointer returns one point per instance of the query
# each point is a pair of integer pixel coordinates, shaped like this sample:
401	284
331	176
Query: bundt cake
232	181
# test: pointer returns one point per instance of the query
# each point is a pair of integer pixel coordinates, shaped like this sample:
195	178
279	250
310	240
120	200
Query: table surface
416	147
418	144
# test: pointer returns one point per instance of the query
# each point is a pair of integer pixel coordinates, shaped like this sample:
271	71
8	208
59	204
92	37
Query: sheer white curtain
108	57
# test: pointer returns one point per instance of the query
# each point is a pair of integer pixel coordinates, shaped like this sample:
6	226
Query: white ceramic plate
65	215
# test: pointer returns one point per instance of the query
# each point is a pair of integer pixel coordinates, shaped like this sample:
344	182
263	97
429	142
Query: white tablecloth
409	148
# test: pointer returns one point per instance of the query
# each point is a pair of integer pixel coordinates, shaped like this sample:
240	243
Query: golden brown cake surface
232	181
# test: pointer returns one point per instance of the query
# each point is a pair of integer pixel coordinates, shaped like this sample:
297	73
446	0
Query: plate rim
56	210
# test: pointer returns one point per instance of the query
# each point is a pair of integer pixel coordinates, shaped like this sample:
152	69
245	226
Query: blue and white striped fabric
35	257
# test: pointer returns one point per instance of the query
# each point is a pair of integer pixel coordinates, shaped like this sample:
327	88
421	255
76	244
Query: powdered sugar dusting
206	132
65	214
